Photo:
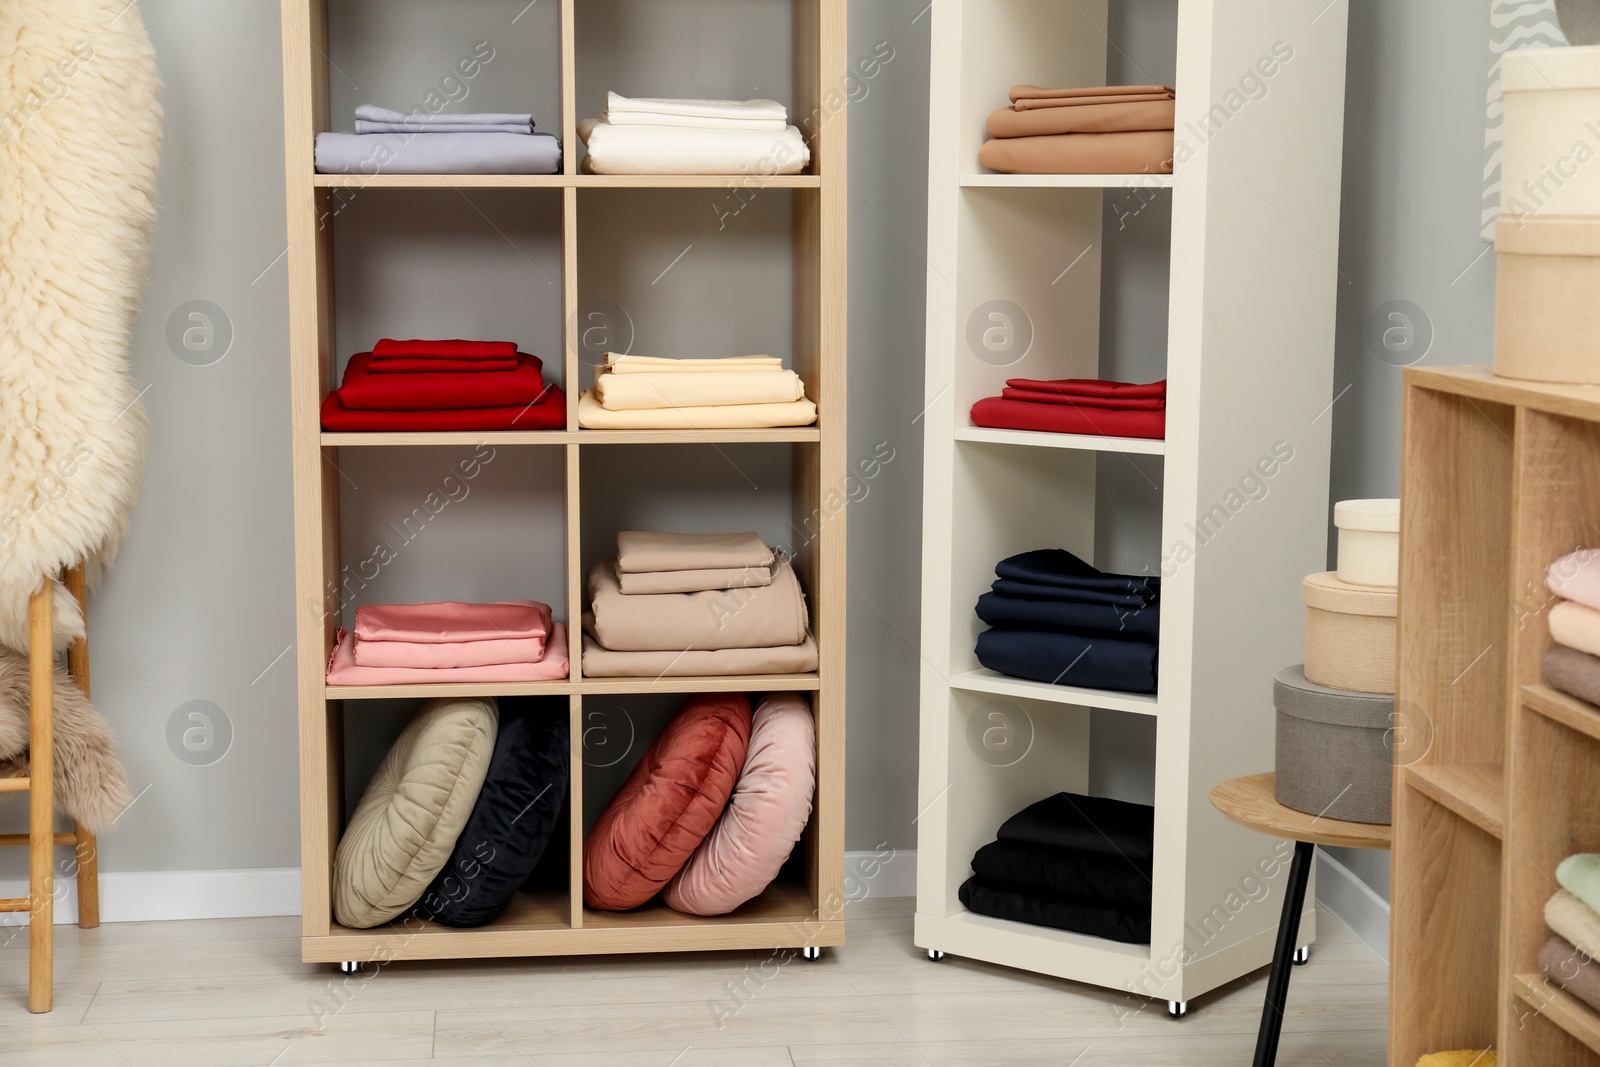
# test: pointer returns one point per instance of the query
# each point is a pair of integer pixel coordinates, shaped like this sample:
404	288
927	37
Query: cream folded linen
601	662
716	619
670	150
1576	626
633	392
593	415
645	118
651	582
702	109
643	551
624	364
1574	920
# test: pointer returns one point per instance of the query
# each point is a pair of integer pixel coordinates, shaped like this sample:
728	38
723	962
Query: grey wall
199	607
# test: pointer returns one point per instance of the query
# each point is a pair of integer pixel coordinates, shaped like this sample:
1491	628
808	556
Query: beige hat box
1350	634
1369	542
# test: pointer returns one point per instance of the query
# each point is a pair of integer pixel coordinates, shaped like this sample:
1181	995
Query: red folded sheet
1110	403
1000	413
389	348
366	391
1090	387
549	414
441	366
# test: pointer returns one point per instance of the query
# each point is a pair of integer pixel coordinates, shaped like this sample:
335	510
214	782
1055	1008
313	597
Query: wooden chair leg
41	803
88	857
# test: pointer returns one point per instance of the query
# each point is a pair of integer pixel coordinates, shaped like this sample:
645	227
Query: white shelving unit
1249	359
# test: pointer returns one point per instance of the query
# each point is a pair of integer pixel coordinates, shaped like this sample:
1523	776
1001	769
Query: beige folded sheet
1093	118
601	662
1576	626
768	617
1032	96
652	582
1574	920
1147	152
593	415
624	364
626	392
643	551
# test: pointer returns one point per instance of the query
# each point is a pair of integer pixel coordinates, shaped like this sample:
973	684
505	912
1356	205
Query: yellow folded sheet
629	392
593	416
624	364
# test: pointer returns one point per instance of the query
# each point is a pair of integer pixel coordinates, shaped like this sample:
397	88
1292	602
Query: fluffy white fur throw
90	784
80	142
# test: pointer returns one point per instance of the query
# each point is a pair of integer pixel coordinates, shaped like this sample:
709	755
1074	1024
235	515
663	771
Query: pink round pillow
668	804
768	812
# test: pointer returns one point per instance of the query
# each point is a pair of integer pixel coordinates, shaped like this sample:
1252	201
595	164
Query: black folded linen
1060	568
1108	663
1090	620
1094	918
1054	872
1074	823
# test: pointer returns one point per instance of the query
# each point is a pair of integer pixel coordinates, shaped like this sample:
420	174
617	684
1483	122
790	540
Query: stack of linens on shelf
1057	619
1072	863
695	604
1077	405
651	393
391	142
1573	663
421	386
654	136
1568	957
1111	129
399	644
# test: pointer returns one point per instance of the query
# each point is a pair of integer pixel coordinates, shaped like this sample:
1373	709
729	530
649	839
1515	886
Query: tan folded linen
624	364
768	617
651	582
601	662
1576	626
1030	96
593	415
1095	118
1148	152
644	551
1574	920
630	392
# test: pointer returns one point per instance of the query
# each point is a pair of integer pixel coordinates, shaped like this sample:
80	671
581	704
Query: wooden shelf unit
805	908
1497	778
1254	235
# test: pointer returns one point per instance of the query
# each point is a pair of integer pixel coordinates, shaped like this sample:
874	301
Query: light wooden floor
227	992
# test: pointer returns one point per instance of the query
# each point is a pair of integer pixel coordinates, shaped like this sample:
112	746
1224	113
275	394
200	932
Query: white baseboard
1353	903
145	896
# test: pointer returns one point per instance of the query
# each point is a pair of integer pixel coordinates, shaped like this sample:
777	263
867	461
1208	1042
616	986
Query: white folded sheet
682	150
704	109
645	118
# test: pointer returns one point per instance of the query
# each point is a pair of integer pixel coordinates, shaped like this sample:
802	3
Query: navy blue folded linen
1070	822
1094	918
1069	616
1060	872
1060	568
1110	663
1035	591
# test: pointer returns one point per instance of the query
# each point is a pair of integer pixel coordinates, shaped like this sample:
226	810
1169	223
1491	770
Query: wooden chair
41	837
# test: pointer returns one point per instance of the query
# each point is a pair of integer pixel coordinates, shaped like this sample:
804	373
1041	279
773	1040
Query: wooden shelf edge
1066	181
1560	1007
732	683
987	681
1558	707
1082	442
1474	791
1481	383
509	438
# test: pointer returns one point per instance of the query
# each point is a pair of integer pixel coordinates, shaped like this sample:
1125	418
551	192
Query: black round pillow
512	822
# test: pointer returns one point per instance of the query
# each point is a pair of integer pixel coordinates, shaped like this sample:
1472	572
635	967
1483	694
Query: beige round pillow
406	825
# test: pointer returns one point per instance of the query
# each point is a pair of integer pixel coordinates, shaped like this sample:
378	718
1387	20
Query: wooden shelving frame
1249	364
791	914
1497	778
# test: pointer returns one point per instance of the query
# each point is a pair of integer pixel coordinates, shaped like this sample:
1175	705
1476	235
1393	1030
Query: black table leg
1294	902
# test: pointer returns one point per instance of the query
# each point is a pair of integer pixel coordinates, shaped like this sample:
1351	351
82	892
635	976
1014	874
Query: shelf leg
1302	955
935	955
811	953
349	967
1294	901
1177	1009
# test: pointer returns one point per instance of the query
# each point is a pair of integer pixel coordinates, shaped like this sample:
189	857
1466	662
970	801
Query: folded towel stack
1111	129
650	393
1571	914
641	135
391	142
1057	619
1077	405
1072	863
420	386
400	644
1573	663
695	605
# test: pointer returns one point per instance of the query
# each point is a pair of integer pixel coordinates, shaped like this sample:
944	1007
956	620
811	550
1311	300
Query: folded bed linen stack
391	142
1057	619
1573	663
643	135
695	605
1070	862
651	393
1110	129
1568	957
447	641
1077	405
422	386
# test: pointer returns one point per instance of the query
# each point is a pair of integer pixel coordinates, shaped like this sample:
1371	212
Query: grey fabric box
1333	750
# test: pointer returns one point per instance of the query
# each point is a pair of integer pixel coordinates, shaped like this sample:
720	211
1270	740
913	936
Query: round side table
1252	803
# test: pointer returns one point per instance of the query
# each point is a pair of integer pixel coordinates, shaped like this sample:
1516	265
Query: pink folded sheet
451	622
343	669
453	654
1576	576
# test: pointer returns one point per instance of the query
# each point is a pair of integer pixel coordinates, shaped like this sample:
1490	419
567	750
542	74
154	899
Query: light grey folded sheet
372	113
365	127
438	153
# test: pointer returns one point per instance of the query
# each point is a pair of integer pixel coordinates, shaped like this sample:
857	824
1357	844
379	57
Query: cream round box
1350	634
1369	542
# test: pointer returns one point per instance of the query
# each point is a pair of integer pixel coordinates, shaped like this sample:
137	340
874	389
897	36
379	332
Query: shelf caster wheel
1302	955
1177	1009
349	967
811	953
935	955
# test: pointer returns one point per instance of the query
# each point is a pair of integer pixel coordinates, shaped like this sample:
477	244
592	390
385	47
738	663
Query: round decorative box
1369	542
1334	755
1350	634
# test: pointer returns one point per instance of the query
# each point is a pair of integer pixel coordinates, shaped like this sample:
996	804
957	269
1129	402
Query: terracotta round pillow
407	822
668	804
768	811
